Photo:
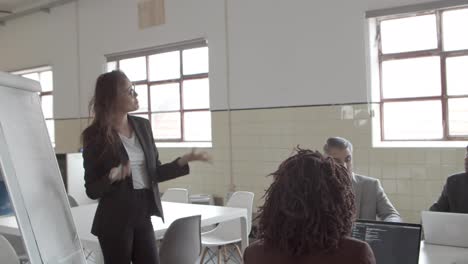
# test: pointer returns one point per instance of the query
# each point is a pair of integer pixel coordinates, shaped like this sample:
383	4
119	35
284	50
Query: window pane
47	106
195	60
196	94
33	76
409	34
455	29
457	75
165	97
166	125
458	117
416	120
142	91
111	65
164	66
134	68
411	77
46	81
197	126
51	129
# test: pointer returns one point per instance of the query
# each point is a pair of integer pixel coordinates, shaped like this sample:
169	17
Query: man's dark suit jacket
116	205
454	197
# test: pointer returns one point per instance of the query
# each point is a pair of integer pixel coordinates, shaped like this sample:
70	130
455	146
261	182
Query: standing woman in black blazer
122	170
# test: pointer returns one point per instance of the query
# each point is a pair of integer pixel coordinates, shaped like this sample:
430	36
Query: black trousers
136	243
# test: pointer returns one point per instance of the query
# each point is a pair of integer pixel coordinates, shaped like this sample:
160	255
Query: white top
137	162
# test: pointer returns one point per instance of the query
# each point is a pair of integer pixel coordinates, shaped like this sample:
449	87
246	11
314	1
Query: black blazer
115	207
454	197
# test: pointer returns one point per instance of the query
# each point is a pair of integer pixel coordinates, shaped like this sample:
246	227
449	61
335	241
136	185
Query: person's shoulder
254	251
91	136
361	249
349	242
90	130
457	177
259	249
255	246
365	179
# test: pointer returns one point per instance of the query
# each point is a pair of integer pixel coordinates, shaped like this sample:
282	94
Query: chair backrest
176	195
243	199
231	229
182	241
72	201
7	252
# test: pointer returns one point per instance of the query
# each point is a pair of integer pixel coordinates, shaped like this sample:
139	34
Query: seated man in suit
371	201
454	197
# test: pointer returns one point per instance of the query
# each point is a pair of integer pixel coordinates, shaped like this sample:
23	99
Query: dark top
454	197
116	205
351	251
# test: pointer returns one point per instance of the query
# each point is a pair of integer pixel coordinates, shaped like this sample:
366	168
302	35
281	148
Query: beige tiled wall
261	139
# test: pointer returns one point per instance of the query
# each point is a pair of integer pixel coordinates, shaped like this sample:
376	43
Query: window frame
180	47
39	70
438	52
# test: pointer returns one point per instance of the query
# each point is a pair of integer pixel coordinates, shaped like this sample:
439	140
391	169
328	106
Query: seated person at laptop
370	198
308	215
454	197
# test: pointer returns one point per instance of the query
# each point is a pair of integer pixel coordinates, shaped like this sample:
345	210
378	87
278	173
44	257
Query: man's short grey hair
339	143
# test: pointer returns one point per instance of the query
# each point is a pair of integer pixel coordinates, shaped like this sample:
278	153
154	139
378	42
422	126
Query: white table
83	216
435	254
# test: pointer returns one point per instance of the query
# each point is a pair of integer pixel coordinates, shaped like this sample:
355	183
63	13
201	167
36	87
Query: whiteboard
31	173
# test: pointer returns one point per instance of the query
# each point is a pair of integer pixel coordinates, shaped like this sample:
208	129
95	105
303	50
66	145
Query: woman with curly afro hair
308	215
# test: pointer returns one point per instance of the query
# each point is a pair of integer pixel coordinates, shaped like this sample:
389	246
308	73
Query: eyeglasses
132	91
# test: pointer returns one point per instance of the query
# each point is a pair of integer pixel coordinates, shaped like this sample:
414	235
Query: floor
211	258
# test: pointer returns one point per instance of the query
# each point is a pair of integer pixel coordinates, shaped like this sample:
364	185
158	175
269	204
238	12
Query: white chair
17	243
181	243
7	252
229	233
176	195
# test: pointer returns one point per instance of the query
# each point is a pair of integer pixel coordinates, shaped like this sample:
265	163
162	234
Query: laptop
392	243
448	229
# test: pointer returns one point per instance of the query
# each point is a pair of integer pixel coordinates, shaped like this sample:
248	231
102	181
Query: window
422	81
44	76
173	90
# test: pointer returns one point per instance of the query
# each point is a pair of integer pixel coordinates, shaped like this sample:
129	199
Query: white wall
282	53
46	39
287	53
112	26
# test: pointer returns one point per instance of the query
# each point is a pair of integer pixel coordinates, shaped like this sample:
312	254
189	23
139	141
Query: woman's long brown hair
309	207
102	107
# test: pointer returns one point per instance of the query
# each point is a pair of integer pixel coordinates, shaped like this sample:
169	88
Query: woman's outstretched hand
195	156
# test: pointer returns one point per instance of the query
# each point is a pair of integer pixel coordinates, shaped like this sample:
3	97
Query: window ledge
420	144
184	144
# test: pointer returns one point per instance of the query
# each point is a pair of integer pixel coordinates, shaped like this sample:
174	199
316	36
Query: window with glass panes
423	72
173	90
44	76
